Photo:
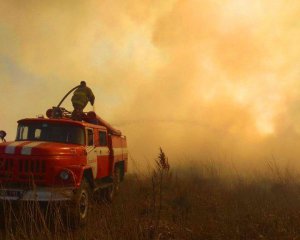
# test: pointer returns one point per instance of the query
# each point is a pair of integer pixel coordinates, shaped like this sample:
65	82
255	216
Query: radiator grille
32	166
22	169
6	164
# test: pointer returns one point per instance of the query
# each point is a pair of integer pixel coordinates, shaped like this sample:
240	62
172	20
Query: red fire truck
59	159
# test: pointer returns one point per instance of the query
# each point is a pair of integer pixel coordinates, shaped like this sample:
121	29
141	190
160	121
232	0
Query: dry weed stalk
162	161
161	172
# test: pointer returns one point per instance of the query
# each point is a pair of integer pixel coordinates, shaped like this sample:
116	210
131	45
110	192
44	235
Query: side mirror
2	135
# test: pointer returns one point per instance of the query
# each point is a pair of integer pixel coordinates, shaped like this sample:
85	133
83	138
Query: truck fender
81	172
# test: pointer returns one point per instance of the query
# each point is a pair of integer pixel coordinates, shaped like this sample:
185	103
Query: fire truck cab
59	159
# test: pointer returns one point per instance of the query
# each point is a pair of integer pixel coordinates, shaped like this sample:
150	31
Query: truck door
103	154
91	151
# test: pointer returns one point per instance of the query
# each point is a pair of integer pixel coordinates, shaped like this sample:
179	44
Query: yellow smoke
202	79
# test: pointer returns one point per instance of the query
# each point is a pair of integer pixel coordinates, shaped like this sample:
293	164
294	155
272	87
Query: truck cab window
50	132
37	133
22	132
102	138
90	137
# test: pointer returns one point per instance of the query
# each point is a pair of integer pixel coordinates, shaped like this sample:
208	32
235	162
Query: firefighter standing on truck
80	99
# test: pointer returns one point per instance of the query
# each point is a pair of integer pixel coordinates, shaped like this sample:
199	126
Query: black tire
2	215
80	205
117	179
111	191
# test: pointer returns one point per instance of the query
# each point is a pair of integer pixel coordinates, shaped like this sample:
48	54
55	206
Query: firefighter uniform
80	99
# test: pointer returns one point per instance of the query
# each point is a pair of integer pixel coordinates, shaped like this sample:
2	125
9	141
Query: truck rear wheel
2	215
112	190
80	205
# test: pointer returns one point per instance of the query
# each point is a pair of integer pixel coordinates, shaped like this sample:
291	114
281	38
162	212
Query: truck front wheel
80	205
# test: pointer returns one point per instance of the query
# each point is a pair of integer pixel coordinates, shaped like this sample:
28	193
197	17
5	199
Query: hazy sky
201	78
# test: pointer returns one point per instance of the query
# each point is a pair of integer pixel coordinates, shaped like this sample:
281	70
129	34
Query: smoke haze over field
202	79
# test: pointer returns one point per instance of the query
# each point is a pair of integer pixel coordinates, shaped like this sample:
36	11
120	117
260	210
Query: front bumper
38	194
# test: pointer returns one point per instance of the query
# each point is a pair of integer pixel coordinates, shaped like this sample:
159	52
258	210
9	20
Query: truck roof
90	119
62	121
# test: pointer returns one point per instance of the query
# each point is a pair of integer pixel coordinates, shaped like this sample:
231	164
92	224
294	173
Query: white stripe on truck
119	151
11	148
103	151
27	149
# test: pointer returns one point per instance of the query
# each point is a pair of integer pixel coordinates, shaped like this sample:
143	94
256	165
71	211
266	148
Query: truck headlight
64	175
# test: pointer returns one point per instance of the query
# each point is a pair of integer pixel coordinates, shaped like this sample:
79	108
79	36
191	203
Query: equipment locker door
103	155
91	151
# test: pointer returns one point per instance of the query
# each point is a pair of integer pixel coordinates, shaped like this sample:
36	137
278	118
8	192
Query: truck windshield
50	132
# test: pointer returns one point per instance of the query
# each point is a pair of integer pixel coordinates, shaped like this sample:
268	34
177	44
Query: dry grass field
175	204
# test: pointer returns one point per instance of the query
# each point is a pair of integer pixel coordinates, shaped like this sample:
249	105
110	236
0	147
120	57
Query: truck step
102	186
